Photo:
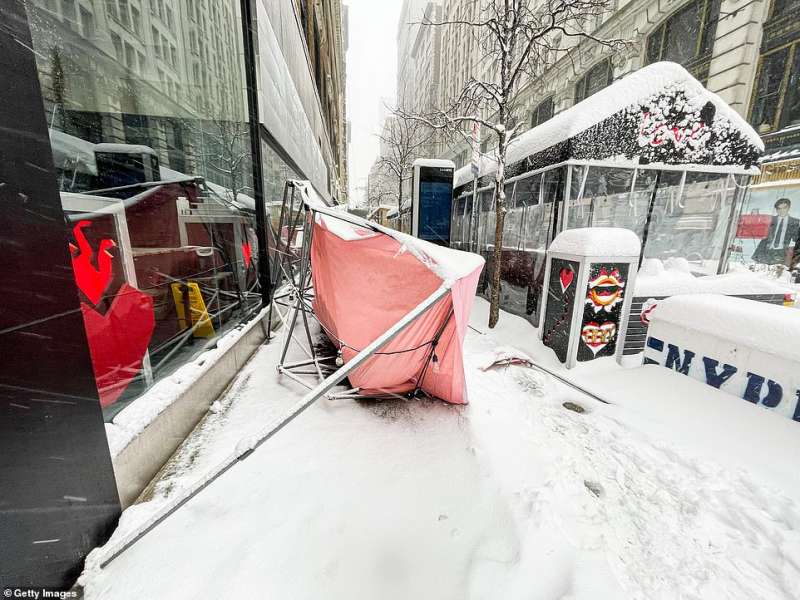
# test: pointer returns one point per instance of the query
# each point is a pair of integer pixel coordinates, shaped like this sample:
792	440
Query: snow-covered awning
657	115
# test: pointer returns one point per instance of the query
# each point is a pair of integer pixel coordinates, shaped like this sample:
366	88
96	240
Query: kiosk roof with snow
658	115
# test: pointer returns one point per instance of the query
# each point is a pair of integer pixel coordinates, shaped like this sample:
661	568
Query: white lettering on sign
751	386
655	132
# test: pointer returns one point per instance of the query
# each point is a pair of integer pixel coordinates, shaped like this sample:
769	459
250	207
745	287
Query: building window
156	41
136	18
87	23
687	37
599	76
69	11
776	102
542	112
782	8
111	8
117	41
124	15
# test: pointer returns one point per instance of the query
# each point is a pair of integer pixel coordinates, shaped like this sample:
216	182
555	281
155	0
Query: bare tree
225	151
518	40
402	141
381	187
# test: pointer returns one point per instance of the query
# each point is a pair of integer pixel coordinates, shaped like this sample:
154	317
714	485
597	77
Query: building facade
145	143
742	51
746	52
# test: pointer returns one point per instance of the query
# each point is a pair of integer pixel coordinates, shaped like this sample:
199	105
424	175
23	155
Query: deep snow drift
675	490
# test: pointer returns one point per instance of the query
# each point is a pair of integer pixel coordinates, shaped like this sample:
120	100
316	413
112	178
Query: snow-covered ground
675	490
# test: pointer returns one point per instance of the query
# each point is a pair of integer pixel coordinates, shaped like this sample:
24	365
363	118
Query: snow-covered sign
745	348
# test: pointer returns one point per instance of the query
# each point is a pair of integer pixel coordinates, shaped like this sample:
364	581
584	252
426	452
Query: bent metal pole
248	445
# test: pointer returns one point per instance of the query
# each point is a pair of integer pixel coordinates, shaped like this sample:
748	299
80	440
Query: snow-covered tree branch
402	141
518	40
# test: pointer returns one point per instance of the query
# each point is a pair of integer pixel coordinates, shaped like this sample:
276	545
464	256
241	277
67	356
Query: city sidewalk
512	496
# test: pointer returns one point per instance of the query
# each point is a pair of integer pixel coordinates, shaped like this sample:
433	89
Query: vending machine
432	198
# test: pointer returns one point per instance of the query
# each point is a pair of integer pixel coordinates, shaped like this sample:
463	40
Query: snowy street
673	490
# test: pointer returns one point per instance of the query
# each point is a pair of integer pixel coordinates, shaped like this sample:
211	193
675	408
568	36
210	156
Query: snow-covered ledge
145	434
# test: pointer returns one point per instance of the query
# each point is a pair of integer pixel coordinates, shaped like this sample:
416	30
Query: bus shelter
655	152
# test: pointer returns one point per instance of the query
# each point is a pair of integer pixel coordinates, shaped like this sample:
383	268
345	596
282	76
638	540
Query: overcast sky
371	76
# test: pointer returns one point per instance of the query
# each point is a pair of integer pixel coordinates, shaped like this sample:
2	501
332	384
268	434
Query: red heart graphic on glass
247	254
118	340
566	275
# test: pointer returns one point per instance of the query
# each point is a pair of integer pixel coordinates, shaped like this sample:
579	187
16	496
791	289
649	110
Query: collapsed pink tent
367	278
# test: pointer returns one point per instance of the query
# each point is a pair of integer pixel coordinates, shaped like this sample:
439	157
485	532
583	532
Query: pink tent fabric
366	281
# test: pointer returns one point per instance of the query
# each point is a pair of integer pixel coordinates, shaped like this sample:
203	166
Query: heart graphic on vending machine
118	340
566	275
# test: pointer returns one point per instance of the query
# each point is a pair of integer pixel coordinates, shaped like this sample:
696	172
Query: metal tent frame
297	296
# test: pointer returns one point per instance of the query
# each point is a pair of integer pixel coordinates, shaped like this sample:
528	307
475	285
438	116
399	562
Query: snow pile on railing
597	241
673	276
754	325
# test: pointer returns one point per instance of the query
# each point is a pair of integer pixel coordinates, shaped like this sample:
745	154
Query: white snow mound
769	328
597	241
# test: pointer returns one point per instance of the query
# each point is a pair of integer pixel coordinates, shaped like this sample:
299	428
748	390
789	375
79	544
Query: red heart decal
247	254
118	340
566	275
91	281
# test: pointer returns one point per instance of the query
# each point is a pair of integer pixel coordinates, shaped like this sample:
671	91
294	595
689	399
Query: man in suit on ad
777	247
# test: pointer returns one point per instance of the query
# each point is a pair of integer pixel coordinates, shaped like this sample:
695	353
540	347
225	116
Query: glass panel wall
512	234
147	116
485	220
466	238
457	222
690	216
529	192
690	219
552	196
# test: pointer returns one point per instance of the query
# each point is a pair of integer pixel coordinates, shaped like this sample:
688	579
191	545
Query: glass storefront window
790	113
542	112
686	37
767	94
598	77
148	125
579	204
514	218
768	227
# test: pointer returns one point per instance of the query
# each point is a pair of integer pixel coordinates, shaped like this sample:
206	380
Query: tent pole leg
305	282
274	427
